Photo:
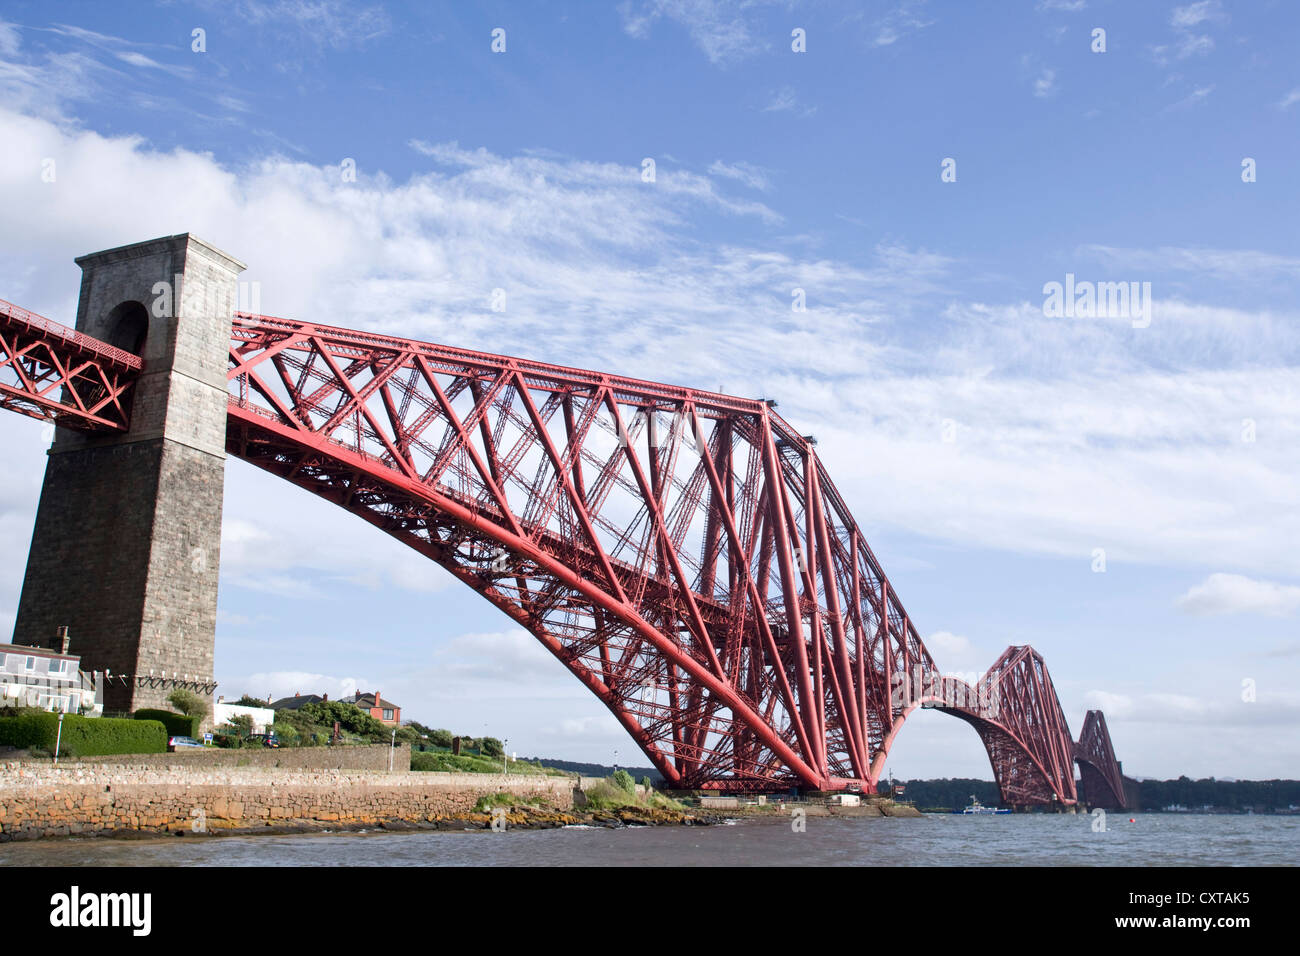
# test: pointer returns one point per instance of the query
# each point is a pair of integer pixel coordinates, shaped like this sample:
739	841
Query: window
31	663
58	667
388	714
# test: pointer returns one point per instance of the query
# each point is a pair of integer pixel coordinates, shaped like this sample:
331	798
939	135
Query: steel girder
55	373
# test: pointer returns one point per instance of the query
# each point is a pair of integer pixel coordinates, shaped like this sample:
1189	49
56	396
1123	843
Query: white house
263	717
45	678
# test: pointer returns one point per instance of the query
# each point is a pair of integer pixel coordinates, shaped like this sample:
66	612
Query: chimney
326	698
63	638
376	698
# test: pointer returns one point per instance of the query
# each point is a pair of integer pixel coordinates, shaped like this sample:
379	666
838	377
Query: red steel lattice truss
683	553
1101	779
52	372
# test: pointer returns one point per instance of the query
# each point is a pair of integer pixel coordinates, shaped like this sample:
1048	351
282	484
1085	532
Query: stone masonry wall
61	801
373	757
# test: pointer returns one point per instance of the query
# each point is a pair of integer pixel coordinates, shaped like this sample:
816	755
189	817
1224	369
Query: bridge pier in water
127	540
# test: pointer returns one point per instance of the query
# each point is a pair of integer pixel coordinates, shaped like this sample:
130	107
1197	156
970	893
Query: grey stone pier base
127	542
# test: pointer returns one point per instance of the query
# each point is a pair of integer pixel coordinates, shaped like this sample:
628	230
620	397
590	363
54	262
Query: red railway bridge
683	553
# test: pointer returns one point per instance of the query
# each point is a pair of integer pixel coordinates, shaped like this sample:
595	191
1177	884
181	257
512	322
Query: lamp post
392	750
505	749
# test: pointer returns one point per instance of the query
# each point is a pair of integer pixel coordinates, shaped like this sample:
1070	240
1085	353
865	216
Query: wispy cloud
720	28
785	100
903	19
1194	14
1290	100
1187	41
755	177
1247	265
1045	84
333	23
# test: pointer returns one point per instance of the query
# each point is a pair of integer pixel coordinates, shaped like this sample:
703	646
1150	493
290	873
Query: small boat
978	808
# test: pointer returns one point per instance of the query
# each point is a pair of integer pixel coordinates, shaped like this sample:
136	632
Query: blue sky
989	449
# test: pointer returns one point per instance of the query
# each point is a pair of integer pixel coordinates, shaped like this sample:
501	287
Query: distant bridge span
683	553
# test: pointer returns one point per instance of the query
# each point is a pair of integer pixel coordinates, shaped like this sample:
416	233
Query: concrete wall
83	799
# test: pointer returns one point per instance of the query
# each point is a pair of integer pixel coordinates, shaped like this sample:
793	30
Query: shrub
440	738
408	735
84	736
491	747
188	702
623	780
247	701
178	725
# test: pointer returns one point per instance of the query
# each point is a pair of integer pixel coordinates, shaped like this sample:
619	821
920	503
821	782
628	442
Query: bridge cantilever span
683	553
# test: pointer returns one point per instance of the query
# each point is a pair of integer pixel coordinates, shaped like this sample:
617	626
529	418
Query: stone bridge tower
127	540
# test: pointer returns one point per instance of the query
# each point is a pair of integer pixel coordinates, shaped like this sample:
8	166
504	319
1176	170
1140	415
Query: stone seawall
360	757
42	801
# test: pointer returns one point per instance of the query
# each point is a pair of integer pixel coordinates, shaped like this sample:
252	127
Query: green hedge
84	736
178	725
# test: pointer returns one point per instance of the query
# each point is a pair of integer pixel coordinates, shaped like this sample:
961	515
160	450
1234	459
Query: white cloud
1066	6
1045	84
1194	14
279	684
956	655
1236	594
1290	100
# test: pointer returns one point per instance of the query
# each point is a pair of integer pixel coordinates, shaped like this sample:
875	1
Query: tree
623	780
242	723
440	738
350	718
491	747
247	701
188	703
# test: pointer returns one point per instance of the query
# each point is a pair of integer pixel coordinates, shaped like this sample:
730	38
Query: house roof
294	703
369	700
36	651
